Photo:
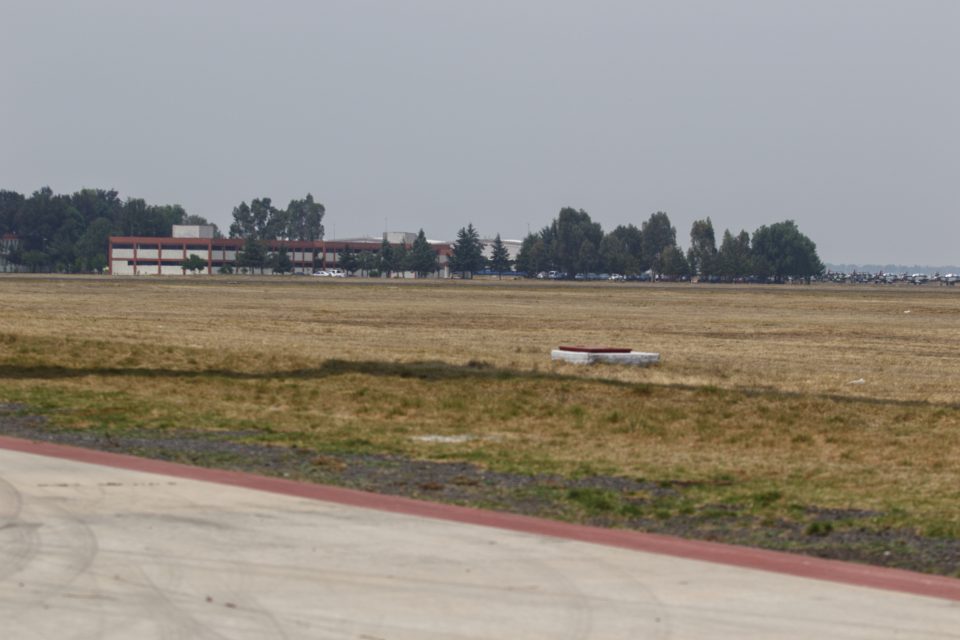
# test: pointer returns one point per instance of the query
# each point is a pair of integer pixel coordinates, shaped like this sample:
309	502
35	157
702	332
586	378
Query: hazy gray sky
843	115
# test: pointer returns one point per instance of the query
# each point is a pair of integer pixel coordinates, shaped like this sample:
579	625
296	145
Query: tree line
420	258
70	232
572	243
467	257
261	221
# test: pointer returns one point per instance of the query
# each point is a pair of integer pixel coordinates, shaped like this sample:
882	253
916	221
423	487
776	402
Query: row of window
171	247
191	247
152	262
167	263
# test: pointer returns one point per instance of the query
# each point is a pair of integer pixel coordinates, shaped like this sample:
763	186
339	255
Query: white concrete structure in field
605	355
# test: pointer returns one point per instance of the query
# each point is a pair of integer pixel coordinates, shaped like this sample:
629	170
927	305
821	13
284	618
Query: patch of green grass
765	499
613	417
707	438
596	501
710	390
819	528
944	529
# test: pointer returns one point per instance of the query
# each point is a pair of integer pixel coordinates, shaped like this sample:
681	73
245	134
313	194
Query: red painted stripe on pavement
760	559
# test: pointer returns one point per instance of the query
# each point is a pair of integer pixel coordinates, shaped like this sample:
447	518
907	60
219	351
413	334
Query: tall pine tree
423	257
467	255
499	257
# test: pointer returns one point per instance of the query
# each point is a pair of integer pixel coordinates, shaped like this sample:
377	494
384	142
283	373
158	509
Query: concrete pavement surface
94	551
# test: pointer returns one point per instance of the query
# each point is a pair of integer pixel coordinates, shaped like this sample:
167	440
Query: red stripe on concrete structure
588	349
759	559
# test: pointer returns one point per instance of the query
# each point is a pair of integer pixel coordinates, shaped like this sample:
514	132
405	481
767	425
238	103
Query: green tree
10	204
347	260
781	251
62	248
423	257
49	226
259	220
194	263
37	220
163	217
269	223
368	262
673	263
499	257
588	261
657	234
702	254
304	219
281	262
92	247
467	257
253	255
734	258
137	218
631	239
94	204
386	260
613	255
569	231
402	260
533	256
70	232
243	225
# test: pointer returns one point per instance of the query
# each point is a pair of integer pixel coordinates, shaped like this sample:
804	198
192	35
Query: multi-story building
134	255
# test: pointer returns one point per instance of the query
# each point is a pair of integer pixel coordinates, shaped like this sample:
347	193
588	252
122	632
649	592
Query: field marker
607	355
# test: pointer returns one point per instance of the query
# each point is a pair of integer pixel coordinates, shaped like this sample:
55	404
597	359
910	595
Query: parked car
322	273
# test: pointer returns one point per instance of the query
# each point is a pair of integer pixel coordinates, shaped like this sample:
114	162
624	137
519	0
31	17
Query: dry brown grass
754	384
800	339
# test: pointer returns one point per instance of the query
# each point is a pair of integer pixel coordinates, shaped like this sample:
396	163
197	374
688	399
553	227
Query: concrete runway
95	551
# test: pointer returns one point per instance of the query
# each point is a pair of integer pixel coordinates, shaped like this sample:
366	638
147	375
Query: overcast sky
843	115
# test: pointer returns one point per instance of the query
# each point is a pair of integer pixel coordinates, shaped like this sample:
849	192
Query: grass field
751	412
